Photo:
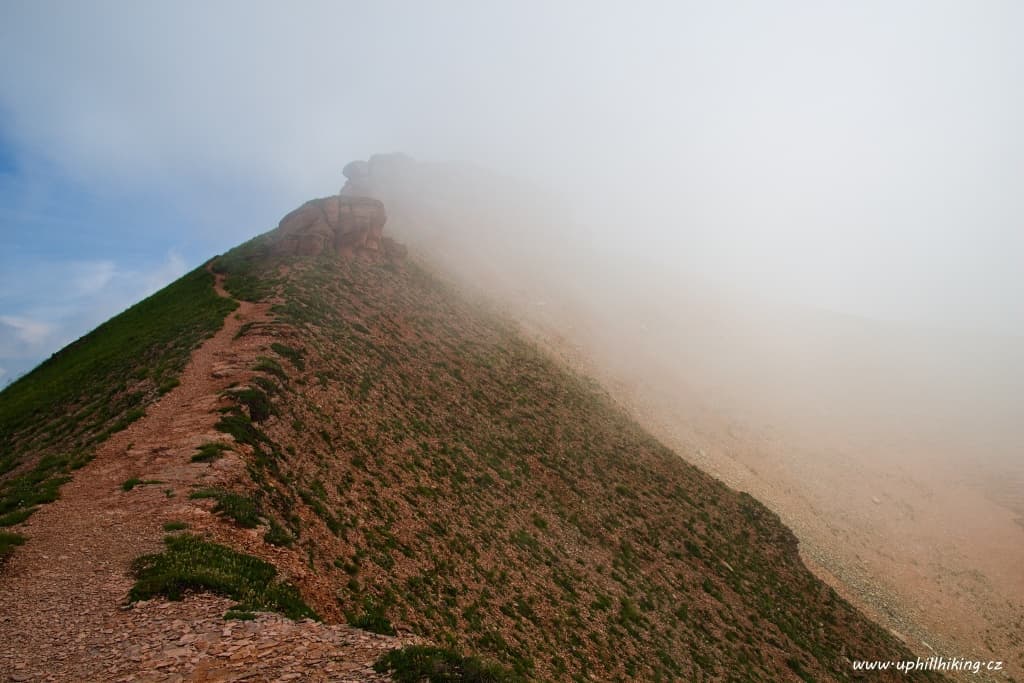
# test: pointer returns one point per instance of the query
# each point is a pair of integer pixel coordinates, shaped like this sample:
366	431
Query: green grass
52	418
239	508
270	366
244	268
16	517
238	425
175	526
417	663
278	535
256	400
192	564
151	340
293	355
371	618
21	495
210	451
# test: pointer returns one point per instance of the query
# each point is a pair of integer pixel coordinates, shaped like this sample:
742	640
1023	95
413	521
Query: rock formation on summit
347	223
341	224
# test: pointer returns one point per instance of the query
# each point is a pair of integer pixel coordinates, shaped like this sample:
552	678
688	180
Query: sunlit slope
447	477
52	418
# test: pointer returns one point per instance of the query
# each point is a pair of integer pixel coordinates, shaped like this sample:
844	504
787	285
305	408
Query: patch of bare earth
63	616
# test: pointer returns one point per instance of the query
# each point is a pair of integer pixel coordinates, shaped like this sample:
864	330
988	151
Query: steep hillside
438	474
874	441
363	443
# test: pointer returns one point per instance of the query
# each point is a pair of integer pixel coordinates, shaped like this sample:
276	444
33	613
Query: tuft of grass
210	451
238	425
277	535
175	526
239	508
16	517
271	367
417	663
191	564
257	401
294	356
167	384
372	620
8	542
129	484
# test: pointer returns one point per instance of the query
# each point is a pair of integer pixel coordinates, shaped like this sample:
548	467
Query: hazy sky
866	157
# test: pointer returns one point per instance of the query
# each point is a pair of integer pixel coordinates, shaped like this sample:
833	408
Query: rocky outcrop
350	222
345	225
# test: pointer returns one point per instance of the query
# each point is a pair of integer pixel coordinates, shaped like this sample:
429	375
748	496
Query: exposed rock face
344	225
350	222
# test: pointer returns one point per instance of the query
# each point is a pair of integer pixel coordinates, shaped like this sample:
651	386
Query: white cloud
27	331
90	292
91	277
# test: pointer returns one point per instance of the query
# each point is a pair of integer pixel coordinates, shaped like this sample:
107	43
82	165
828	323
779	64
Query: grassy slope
449	477
52	418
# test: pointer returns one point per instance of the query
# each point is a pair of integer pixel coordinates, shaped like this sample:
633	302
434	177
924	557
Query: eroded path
62	595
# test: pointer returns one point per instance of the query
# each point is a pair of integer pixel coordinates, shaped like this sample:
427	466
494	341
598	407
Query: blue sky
862	157
72	254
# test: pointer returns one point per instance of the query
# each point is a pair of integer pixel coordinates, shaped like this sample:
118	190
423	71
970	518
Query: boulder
343	225
350	222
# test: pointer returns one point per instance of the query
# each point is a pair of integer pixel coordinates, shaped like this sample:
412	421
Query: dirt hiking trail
63	616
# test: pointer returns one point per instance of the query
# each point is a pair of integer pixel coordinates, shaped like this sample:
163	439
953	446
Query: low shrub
209	451
239	508
417	663
191	564
293	355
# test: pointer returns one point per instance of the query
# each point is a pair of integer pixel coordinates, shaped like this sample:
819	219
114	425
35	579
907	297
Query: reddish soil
64	617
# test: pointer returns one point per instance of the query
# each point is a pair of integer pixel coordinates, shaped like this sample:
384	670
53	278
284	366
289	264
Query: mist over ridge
787	237
863	159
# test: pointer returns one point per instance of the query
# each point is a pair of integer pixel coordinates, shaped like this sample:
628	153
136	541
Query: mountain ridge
414	466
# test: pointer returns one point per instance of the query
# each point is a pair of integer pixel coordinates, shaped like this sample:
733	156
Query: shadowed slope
439	474
411	464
